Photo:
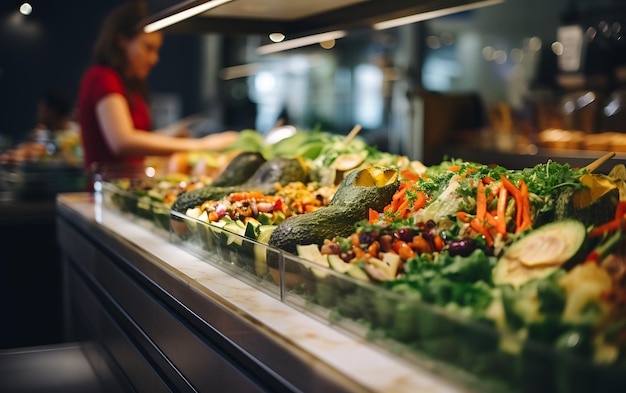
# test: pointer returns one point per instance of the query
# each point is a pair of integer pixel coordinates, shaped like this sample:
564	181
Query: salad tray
443	339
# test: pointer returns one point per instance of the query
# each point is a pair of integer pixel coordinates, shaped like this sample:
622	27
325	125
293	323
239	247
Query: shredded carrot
454	168
487	179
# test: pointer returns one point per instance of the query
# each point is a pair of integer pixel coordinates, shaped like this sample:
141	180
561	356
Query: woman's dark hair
124	22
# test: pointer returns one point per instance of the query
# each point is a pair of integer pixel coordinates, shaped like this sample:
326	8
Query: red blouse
98	82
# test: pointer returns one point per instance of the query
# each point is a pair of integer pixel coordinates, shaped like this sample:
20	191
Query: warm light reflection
26	9
557	48
447	38
500	57
300	42
182	15
150	171
534	43
517	55
433	42
265	82
388	24
328	44
585	99
489	53
277	37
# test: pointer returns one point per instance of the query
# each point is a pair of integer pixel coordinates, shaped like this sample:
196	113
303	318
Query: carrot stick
526	219
402	209
491	220
476	224
420	201
513	190
373	216
613	225
463	217
481	201
620	211
409	175
610	226
516	194
503	196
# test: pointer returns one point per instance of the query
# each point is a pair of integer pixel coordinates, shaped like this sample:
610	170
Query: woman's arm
123	139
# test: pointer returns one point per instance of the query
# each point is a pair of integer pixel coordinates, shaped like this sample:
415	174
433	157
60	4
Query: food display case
165	319
469	353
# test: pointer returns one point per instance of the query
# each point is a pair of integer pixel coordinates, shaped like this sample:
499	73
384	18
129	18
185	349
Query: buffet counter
28	242
520	160
167	320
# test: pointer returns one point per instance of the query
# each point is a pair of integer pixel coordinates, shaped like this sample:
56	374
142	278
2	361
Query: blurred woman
113	113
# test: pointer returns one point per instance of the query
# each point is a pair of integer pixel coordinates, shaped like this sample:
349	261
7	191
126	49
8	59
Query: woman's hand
219	141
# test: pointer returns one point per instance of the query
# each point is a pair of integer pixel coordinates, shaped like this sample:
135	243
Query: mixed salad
524	252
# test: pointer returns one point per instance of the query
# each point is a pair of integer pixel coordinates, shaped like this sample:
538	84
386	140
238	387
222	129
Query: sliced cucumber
311	252
540	253
260	250
355	271
386	268
235	233
338	264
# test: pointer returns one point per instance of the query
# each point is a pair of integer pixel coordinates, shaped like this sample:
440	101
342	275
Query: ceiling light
186	13
277	37
26	9
388	24
300	42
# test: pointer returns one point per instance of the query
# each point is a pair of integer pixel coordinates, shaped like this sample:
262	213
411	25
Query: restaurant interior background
487	74
478	68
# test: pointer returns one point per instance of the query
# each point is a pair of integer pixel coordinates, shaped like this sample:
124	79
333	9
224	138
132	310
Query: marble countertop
365	365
